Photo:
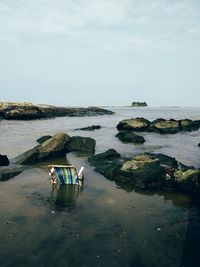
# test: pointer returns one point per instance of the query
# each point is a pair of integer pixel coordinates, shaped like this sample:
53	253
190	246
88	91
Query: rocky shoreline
147	171
29	111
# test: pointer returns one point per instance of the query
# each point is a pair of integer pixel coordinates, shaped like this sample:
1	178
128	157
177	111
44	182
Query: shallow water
100	224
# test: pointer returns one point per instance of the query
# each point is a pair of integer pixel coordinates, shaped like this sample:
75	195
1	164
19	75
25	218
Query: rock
109	155
81	144
30	156
44	138
139	104
29	111
159	125
53	147
4	161
188	181
106	163
130	137
165	160
142	171
138	124
90	128
148	171
188	125
184	167
57	146
10	172
165	126
199	144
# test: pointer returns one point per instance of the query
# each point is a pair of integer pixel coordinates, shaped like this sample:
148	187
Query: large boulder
4	161
141	171
106	163
81	144
53	147
130	137
138	124
165	126
10	172
44	138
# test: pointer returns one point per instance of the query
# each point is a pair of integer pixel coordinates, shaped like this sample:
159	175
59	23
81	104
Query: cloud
128	23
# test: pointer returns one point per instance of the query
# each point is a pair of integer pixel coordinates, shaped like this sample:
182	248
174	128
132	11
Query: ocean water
99	224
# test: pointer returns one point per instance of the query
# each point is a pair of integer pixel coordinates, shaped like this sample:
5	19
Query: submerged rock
4	161
81	144
130	137
10	172
44	138
29	111
89	128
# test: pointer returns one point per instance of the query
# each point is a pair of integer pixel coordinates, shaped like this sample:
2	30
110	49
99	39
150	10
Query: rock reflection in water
65	196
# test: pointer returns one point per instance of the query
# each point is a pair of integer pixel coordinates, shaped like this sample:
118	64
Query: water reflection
65	196
178	199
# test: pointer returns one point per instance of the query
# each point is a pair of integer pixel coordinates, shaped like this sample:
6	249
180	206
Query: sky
100	52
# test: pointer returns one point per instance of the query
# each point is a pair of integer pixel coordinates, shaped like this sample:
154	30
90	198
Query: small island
139	104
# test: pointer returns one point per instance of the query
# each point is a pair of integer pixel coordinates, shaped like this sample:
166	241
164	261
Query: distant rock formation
29	111
139	104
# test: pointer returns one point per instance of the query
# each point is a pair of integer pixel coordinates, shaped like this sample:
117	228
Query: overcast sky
100	52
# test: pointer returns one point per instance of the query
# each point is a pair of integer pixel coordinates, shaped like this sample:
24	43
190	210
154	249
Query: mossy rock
137	124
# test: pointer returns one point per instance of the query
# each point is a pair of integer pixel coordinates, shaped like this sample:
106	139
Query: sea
99	223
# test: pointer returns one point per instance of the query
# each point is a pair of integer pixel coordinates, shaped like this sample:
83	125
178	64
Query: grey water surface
100	223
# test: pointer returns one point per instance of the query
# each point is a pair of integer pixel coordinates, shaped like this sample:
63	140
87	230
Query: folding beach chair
65	174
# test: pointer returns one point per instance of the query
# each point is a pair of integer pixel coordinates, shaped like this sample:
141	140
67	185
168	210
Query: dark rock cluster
56	146
159	125
148	172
